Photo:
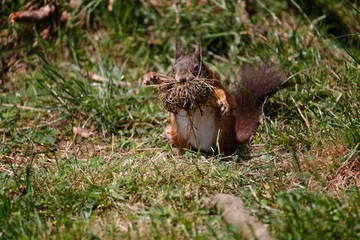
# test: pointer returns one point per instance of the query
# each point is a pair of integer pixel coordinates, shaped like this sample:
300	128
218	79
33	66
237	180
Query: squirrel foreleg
152	77
221	100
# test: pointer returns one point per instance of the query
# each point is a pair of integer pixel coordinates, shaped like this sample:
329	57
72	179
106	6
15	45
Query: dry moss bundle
188	95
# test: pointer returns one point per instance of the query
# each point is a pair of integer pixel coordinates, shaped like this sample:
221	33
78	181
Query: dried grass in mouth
188	95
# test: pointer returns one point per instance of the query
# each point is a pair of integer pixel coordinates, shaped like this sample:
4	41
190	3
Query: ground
82	153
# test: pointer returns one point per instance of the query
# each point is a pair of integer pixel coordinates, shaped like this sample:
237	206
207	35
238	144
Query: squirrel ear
197	52
178	49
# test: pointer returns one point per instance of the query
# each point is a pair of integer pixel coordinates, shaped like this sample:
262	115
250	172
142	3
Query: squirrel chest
198	128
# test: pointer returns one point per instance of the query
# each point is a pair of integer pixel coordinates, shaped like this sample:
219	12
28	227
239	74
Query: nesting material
188	95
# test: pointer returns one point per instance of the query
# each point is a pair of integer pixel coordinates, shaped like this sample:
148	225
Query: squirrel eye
196	68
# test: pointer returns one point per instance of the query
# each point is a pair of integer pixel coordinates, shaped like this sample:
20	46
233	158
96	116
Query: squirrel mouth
186	95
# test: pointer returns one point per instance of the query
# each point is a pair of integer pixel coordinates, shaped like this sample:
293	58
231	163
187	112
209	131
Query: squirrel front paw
150	77
167	136
224	107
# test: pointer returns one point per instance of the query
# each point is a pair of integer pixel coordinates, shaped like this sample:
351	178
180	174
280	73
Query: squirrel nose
181	80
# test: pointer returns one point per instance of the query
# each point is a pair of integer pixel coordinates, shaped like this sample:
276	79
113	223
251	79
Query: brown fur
254	86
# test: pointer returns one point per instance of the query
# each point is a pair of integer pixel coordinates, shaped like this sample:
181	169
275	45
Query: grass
301	181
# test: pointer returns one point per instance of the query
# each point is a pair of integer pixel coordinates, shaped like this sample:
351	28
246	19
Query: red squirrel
227	120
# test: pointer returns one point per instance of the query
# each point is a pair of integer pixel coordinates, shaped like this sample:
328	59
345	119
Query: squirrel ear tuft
197	52
178	49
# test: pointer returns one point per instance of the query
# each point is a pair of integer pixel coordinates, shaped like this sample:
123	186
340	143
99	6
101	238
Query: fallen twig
32	16
23	107
32	127
101	79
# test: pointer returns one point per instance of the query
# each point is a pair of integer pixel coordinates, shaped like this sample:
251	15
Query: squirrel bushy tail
254	86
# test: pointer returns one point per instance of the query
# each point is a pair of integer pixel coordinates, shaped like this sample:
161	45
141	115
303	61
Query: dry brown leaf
74	3
82	132
111	5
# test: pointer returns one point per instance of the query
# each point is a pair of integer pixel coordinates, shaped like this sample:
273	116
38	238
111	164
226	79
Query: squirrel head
188	67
